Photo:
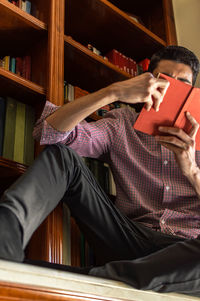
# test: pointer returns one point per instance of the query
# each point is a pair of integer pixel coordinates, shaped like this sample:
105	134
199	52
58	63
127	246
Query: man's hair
178	54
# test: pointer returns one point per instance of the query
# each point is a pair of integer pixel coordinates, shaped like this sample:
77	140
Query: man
150	238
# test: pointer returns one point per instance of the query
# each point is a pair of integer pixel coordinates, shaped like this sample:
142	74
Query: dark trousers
130	252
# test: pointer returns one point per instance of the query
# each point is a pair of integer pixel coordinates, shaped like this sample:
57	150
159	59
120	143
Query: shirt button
165	162
162	222
167	188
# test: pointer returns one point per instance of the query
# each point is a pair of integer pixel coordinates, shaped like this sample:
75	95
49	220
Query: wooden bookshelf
56	39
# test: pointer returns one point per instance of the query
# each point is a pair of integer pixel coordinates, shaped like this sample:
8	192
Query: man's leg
60	174
175	268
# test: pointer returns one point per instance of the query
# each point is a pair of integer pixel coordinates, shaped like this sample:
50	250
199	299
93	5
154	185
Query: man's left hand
182	145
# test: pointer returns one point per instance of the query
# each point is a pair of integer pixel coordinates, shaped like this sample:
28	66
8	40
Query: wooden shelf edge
11	291
17	168
94	56
134	23
22	81
33	22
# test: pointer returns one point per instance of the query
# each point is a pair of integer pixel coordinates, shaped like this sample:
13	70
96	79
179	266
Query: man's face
176	70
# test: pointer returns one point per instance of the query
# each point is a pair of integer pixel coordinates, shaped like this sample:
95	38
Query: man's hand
182	145
144	88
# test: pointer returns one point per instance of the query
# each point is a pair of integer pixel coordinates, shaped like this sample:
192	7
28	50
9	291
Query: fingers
194	123
157	92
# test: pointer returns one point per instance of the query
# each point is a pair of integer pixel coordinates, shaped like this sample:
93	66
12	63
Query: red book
26	67
78	92
179	98
144	64
132	67
113	57
19	66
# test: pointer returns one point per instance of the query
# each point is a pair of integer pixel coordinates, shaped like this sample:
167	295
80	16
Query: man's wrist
194	179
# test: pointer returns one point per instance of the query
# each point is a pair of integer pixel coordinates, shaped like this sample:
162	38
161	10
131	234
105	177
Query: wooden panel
46	242
106	27
169	22
55	90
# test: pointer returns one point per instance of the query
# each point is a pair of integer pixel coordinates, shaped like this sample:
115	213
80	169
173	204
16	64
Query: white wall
187	20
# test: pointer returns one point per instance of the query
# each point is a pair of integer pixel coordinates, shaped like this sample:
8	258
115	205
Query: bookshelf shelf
9	168
9	172
15	85
99	72
90	27
13	18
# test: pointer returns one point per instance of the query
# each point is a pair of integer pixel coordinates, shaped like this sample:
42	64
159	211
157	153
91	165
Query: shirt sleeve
89	139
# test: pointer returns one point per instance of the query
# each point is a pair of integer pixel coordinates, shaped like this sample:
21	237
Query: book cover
18	154
2	122
179	98
9	133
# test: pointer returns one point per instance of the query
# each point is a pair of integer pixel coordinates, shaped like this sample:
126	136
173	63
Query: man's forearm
69	115
142	88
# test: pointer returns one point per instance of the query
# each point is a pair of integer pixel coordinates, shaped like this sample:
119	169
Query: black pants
131	252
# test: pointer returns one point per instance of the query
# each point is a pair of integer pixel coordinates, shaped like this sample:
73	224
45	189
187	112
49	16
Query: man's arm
141	89
183	147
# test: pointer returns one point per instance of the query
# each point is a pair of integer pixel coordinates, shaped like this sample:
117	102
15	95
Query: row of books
123	62
25	5
18	65
127	64
16	126
72	92
76	250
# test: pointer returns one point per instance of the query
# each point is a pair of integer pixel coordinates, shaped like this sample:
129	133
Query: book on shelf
9	133
18	142
2	122
18	154
179	98
25	5
144	64
127	64
18	65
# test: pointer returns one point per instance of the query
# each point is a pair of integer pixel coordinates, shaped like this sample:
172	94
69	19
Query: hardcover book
9	132
179	98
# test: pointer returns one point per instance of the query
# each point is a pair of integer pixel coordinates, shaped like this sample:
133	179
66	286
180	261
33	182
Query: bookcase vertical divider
50	233
55	81
170	29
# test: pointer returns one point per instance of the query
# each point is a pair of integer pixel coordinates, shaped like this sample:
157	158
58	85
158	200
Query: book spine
9	133
13	64
19	66
23	5
18	155
28	7
7	62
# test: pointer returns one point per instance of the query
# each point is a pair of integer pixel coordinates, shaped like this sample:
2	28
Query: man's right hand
144	88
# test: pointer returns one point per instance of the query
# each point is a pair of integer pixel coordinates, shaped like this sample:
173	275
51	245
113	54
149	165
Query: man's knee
63	153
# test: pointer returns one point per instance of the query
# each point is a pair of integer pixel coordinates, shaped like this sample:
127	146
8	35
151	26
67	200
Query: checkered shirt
150	186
